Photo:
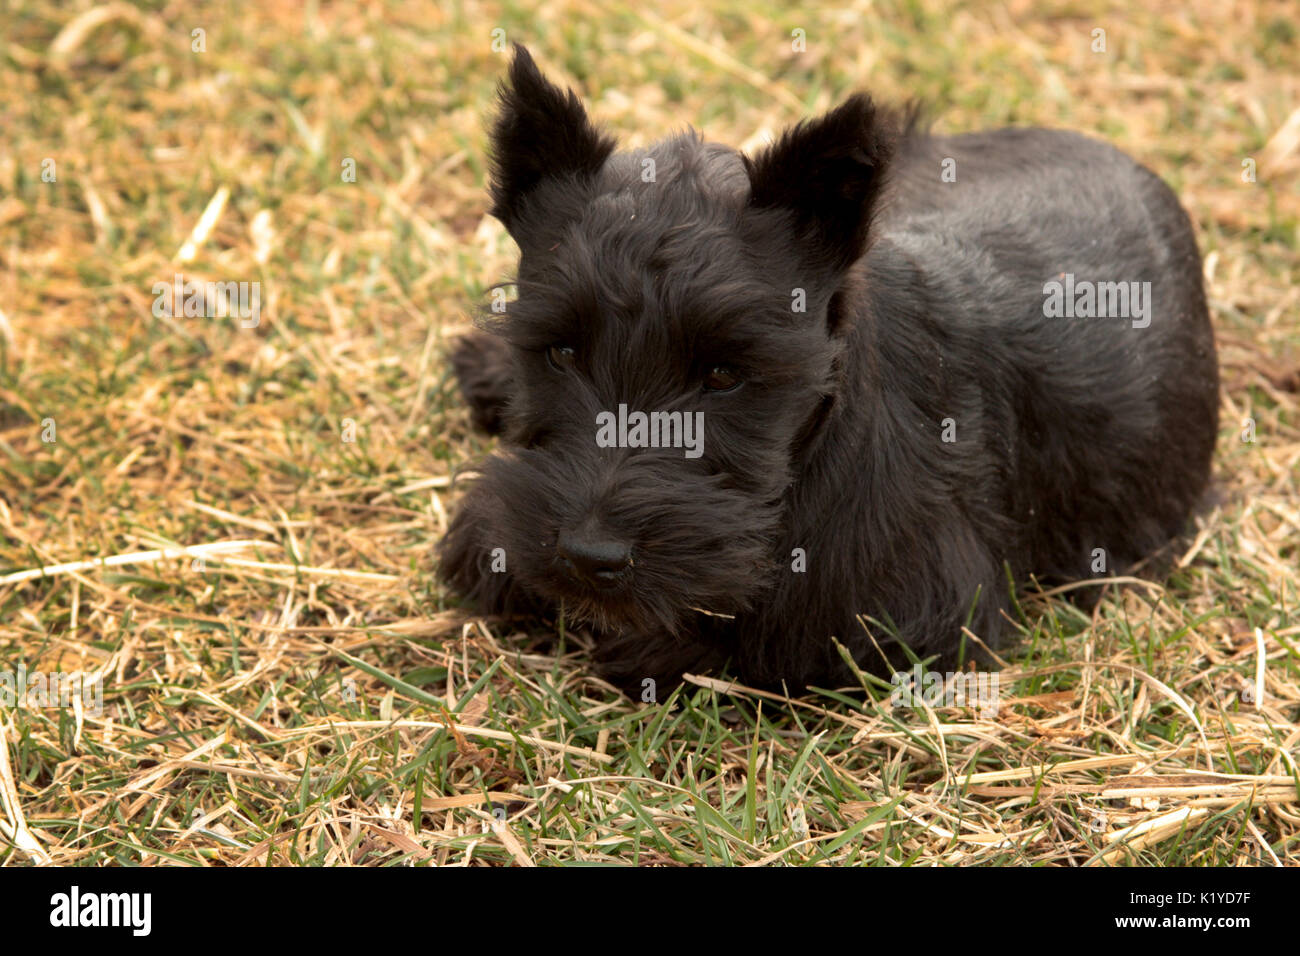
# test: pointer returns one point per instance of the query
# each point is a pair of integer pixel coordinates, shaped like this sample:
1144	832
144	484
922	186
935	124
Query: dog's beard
697	545
649	609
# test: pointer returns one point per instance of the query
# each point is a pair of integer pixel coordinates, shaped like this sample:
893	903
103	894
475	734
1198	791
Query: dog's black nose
596	560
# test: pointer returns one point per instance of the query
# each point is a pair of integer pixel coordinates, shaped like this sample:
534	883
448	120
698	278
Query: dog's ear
825	175
541	132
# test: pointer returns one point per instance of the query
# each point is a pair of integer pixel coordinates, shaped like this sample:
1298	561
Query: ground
296	688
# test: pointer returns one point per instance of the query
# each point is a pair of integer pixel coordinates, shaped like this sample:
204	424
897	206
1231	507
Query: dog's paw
649	668
472	567
482	365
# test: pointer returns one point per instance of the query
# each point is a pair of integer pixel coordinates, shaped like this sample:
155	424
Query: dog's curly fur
918	429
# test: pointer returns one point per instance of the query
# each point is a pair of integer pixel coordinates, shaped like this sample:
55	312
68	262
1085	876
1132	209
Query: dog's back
1023	213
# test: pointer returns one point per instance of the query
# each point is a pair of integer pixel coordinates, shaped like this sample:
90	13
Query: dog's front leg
647	667
472	563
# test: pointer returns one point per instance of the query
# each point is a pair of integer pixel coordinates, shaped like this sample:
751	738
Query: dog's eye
720	379
560	357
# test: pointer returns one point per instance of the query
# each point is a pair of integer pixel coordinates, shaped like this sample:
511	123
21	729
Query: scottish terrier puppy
843	391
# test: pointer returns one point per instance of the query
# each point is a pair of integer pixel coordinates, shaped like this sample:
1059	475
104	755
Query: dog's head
688	284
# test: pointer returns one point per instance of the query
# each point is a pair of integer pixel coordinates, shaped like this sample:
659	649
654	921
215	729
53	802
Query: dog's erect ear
826	174
541	132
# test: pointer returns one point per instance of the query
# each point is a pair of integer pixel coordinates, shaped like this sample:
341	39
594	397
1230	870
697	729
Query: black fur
924	311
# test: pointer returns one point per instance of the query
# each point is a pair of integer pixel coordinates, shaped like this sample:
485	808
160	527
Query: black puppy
835	390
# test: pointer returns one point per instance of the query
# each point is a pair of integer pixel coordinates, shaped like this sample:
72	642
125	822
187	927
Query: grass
312	697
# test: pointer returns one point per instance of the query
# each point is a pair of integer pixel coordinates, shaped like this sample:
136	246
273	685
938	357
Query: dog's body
872	462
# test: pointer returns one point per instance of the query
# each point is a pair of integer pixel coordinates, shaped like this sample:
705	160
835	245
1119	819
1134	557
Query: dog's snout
596	559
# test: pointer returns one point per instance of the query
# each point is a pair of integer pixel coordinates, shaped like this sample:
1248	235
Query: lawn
228	521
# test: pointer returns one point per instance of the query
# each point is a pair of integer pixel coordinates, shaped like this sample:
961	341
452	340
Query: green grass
324	702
